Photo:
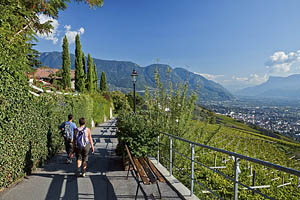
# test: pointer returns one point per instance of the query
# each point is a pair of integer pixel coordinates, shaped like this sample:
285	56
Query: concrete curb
181	189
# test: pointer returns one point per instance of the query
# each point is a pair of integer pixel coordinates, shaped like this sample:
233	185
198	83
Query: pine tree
79	74
90	74
103	86
66	65
95	77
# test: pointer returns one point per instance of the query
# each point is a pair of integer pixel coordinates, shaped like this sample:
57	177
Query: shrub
137	132
167	110
120	102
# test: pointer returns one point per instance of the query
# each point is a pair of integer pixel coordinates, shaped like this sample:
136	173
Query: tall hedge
29	125
29	131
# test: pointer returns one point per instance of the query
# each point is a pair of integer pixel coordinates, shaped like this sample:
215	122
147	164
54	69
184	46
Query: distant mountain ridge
118	76
275	87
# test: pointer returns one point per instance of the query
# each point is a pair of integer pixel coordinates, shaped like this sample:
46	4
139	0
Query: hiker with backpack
67	129
82	142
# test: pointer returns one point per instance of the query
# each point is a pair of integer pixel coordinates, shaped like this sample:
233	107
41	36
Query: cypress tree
90	74
103	86
79	74
95	77
66	65
84	65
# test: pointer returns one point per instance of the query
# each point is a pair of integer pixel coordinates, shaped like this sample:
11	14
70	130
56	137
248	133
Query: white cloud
240	78
255	78
67	27
281	62
53	35
81	30
235	82
210	76
252	79
71	35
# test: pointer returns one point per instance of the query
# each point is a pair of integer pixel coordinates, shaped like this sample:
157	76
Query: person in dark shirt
67	129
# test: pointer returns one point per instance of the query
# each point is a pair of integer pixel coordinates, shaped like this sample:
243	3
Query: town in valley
279	116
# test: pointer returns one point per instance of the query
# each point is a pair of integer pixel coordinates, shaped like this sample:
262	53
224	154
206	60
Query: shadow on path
65	185
105	179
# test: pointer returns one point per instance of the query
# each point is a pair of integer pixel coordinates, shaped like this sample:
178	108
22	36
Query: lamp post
134	76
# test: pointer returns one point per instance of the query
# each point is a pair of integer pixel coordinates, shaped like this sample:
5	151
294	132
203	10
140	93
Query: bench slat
130	157
141	171
148	171
156	172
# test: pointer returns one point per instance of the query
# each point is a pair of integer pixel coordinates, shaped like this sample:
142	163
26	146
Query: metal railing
237	157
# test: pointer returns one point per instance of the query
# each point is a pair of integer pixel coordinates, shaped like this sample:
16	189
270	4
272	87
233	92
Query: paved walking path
105	178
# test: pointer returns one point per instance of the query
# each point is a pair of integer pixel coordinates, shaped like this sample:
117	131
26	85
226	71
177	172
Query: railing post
215	160
157	149
192	168
236	177
171	152
253	179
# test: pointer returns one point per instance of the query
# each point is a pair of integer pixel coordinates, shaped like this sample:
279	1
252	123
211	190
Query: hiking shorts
82	154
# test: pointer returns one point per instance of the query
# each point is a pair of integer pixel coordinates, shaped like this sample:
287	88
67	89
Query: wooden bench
144	171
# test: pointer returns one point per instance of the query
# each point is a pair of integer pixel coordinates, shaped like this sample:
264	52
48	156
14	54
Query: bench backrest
145	169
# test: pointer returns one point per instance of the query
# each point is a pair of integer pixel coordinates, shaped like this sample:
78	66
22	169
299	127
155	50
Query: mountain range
275	87
118	76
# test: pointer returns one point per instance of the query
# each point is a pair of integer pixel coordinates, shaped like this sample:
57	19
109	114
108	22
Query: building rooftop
46	73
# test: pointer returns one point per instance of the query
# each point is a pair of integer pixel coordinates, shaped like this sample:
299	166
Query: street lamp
134	76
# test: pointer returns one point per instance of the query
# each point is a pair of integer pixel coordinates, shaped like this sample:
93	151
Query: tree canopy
19	24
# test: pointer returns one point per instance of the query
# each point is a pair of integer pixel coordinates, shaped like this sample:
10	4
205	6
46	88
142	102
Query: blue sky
233	42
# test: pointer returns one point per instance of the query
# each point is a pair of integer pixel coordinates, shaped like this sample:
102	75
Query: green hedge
29	131
101	108
29	125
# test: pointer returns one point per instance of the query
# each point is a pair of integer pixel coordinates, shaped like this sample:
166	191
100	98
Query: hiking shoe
83	173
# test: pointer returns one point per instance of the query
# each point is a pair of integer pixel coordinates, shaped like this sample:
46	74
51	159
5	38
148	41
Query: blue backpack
81	141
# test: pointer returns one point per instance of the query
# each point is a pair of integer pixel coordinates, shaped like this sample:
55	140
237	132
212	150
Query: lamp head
134	76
